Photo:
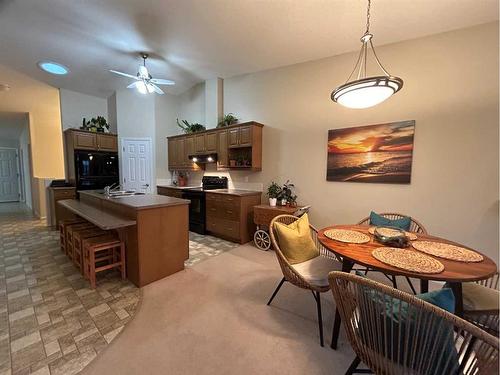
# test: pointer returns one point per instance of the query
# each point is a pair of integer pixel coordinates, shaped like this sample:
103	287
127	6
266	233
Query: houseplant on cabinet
190	128
273	192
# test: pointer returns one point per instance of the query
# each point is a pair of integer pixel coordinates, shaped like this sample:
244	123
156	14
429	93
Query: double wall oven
197	207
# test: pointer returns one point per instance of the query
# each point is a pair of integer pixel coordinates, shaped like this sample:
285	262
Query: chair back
302	211
393	332
487	320
415	226
288	272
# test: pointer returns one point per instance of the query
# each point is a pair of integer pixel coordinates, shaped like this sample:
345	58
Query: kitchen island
153	227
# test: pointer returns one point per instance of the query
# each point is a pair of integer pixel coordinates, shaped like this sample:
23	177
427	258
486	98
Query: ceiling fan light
141	87
366	92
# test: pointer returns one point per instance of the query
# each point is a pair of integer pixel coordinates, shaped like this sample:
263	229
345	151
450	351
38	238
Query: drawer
213	209
227	228
213	197
169	192
223	210
64	194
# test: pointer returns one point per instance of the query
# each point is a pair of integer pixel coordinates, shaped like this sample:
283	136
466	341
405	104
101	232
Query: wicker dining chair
318	283
415	227
394	332
481	307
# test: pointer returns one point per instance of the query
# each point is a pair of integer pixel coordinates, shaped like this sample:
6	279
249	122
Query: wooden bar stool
63	225
78	237
69	236
101	254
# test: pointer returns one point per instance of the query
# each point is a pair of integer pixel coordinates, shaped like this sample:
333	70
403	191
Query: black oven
197	207
95	170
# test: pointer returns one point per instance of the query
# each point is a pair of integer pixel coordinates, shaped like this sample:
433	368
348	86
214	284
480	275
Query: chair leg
411	285
394	282
317	297
92	276
354	365
123	267
276	291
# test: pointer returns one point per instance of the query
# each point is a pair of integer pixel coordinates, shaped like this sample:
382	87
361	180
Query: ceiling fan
144	82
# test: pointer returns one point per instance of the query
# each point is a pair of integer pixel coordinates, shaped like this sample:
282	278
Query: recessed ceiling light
53	68
4	87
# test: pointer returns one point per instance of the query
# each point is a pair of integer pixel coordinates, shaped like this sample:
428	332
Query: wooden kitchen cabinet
107	142
230	216
58	212
222	155
84	140
231	143
169	192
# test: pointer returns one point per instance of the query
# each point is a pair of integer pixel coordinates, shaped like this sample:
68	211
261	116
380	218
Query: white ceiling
193	40
12	125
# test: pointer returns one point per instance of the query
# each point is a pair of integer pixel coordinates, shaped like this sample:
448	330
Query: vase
272	202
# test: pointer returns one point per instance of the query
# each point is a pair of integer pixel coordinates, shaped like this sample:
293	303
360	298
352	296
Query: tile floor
51	322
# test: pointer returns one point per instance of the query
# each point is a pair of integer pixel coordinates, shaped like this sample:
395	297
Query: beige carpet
213	319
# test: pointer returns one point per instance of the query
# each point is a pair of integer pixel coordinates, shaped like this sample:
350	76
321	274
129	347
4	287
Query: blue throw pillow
443	298
380	221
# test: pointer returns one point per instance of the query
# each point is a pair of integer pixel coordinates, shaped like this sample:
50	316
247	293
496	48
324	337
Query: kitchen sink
123	193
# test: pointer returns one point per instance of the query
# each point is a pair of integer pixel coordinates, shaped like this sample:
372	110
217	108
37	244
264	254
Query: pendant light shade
364	92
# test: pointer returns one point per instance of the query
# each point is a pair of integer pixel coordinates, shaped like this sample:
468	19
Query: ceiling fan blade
132	85
156	88
123	74
160	81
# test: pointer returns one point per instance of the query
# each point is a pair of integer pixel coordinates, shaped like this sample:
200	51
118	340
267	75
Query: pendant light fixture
364	92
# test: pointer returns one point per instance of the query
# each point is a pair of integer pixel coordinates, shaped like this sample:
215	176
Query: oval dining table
454	273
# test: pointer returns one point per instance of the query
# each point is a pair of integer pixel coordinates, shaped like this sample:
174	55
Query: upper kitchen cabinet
237	146
85	140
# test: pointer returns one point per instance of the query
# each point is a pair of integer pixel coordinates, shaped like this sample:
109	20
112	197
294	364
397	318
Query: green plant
190	128
227	120
273	190
287	192
99	123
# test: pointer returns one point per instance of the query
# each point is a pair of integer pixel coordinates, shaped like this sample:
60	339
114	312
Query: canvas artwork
374	153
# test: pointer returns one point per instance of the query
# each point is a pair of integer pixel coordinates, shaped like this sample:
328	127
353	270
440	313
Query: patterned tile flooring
51	322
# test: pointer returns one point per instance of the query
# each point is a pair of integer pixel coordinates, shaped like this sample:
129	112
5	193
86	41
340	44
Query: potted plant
190	128
96	124
287	196
227	120
182	178
273	192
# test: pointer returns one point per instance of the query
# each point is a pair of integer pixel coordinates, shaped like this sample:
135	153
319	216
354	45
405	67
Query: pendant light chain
368	17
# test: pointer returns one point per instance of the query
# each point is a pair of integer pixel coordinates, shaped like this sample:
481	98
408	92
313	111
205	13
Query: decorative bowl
391	236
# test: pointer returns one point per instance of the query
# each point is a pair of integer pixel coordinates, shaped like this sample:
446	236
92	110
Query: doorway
9	175
136	164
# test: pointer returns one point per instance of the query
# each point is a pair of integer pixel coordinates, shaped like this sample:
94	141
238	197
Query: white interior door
136	164
9	184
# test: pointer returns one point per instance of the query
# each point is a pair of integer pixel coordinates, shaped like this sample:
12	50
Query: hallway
51	322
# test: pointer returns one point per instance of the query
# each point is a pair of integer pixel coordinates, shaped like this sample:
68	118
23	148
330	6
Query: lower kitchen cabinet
230	216
169	192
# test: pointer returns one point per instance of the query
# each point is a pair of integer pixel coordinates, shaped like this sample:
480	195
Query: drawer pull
229	211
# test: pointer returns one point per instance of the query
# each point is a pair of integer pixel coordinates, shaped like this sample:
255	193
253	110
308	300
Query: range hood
204	158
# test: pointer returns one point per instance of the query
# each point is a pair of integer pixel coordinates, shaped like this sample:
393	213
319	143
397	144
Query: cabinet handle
213	209
229	211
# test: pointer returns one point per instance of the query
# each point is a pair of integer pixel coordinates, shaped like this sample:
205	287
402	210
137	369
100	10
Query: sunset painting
374	153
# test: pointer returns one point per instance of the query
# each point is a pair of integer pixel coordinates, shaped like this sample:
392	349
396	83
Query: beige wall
166	107
41	101
191	105
450	89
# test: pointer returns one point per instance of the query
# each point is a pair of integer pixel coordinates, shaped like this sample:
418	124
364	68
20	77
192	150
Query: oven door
196	210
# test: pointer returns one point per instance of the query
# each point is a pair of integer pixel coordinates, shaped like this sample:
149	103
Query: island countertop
139	202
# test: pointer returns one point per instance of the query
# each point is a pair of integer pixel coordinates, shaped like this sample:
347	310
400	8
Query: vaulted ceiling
193	40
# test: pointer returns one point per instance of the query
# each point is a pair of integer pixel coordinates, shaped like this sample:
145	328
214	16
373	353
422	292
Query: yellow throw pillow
295	240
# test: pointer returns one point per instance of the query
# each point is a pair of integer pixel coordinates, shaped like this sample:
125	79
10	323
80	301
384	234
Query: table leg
424	286
459	302
346	267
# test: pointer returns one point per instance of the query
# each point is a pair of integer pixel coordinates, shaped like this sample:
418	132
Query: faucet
110	188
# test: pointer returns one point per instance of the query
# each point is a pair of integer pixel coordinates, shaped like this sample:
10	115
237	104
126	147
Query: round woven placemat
408	260
346	235
391	232
447	251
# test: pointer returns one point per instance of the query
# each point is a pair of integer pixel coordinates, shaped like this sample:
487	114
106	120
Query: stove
197	207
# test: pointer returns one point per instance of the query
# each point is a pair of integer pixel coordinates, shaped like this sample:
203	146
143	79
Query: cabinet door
245	136
172	145
222	156
211	142
84	141
199	143
189	149
107	142
233	137
179	152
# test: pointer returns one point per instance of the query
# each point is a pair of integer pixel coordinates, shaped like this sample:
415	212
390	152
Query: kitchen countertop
178	187
238	192
139	202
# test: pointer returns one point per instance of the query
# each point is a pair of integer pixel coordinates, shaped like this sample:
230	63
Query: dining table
454	273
